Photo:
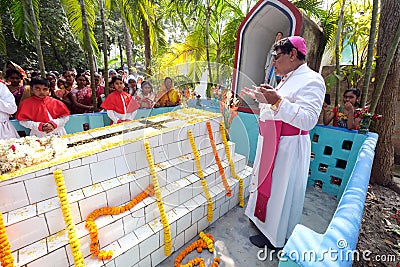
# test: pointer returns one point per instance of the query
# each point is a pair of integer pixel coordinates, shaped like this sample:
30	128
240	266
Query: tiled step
176	192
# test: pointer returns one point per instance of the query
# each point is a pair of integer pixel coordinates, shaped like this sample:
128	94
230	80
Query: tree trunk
370	55
37	40
337	52
384	153
105	51
208	14
88	48
120	52
147	49
128	45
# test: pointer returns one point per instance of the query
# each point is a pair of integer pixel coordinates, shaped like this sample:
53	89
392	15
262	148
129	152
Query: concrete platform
232	231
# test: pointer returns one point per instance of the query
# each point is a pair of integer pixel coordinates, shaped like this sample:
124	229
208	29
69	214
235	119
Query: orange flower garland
6	258
231	164
201	175
217	159
92	227
160	203
70	226
198	245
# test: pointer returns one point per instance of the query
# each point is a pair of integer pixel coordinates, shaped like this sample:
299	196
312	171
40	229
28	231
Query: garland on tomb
231	164
70	226
160	203
218	160
205	241
6	258
92	227
201	175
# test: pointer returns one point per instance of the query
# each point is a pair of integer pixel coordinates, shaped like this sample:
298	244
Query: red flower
13	148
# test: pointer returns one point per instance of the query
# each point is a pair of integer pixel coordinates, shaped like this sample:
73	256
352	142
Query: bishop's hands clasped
265	93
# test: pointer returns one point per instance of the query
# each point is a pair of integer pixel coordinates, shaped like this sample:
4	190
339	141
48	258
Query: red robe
38	109
114	102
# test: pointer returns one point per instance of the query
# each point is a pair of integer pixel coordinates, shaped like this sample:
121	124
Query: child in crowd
146	97
42	114
343	116
120	105
7	107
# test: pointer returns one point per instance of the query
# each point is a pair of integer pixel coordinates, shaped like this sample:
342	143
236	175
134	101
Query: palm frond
74	15
22	21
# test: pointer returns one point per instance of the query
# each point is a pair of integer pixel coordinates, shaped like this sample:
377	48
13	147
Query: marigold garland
231	164
218	160
160	203
205	241
196	153
70	226
92	227
6	258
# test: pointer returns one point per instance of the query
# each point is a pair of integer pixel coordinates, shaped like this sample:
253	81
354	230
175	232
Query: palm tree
26	25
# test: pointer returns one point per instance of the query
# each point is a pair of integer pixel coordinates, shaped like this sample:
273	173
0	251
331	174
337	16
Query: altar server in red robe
41	113
120	105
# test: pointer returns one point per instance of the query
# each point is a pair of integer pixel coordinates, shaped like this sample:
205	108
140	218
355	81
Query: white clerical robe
303	91
7	107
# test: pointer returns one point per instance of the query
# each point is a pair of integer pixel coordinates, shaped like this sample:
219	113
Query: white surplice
303	91
7	107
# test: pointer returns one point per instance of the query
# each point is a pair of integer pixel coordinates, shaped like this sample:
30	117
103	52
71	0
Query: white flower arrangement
16	154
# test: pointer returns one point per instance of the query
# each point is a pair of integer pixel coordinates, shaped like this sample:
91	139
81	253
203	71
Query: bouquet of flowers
228	107
366	118
19	153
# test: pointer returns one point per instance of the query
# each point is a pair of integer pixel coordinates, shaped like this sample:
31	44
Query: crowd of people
43	104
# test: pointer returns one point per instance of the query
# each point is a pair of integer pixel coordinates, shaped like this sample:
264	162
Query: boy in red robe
42	114
120	105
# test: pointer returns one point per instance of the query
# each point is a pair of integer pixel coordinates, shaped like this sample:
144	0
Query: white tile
139	185
57	258
118	195
173	174
89	204
129	258
47	205
75	196
166	138
128	241
146	262
55	219
190	232
89	159
135	221
77	178
141	160
143	232
57	241
111	233
224	208
21	214
108	154
42	172
92	190
173	150
41	188
185	147
183	223
151	212
132	147
171	201
202	224
178	241
160	154
102	170
125	164
110	183
185	194
158	256
75	163
149	245
27	232
31	252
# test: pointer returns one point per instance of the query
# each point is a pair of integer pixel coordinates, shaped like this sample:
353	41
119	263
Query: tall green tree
388	43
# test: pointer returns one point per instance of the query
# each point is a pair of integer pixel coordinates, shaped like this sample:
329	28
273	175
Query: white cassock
303	91
7	107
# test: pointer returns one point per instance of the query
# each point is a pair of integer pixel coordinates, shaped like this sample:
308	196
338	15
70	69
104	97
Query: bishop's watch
275	106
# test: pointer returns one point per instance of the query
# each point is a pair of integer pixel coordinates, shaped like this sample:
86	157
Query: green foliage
22	21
